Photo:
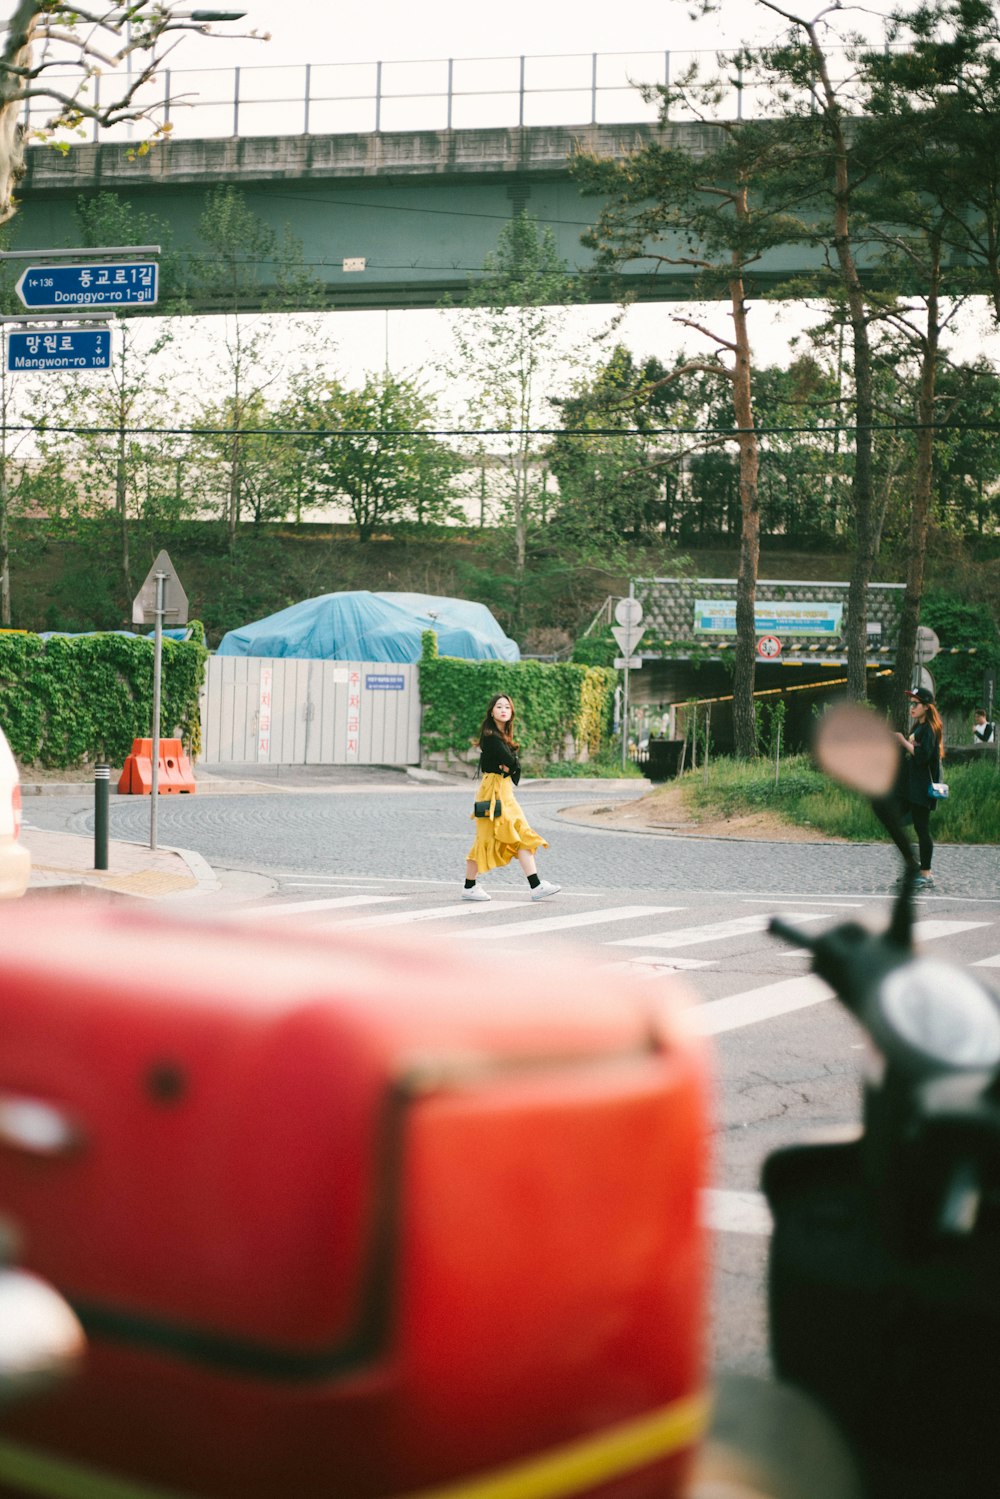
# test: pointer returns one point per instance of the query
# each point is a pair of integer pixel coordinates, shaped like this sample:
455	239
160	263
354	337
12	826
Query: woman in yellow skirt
508	836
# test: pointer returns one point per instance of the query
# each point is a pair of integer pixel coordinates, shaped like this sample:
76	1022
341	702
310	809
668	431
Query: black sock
534	881
469	884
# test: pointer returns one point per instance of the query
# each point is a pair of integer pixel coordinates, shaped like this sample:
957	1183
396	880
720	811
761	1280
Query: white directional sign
627	663
50	288
59	349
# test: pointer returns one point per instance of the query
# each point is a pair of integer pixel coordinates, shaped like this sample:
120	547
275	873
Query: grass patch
606	768
806	798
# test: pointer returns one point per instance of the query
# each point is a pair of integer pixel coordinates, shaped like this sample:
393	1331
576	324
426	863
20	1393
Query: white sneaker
544	889
476	894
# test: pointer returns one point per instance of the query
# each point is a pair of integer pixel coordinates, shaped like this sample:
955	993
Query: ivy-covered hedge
550	701
71	699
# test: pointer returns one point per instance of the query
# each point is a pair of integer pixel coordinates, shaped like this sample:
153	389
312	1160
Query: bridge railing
440	94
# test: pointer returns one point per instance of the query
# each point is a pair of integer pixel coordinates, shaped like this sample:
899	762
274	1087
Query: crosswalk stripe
923	931
564	923
429	913
926	931
689	936
655	966
754	1005
335	903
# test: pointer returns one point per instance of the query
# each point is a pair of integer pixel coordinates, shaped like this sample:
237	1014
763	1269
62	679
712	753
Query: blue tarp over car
365	626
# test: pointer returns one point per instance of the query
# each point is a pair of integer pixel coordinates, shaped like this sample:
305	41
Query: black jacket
498	758
923	767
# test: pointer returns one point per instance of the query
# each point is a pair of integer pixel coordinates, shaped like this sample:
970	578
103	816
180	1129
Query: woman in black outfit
508	835
923	752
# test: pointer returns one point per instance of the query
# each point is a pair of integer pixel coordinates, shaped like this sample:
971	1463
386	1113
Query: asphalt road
670	911
401	832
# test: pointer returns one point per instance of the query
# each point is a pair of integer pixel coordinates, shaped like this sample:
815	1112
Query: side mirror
856	748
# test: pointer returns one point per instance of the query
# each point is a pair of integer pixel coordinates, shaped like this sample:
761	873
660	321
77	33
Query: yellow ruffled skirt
498	839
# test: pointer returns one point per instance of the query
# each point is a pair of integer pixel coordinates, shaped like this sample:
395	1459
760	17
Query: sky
393	31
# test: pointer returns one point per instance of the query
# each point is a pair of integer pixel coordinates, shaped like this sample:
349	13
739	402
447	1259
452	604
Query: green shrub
71	699
550	700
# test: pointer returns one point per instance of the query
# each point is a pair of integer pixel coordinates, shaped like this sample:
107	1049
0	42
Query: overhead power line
899	427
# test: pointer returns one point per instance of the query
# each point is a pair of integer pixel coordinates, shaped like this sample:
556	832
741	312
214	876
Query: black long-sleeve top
924	766
498	758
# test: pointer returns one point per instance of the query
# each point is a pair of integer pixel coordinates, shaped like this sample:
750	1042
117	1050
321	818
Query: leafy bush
72	699
551	701
958	680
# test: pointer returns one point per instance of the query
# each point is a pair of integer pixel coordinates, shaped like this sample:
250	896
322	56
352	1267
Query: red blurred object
174	776
342	1218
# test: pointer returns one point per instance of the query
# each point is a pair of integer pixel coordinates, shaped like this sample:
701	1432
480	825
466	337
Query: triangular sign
175	603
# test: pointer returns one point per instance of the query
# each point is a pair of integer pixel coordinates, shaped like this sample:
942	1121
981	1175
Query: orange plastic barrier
174	774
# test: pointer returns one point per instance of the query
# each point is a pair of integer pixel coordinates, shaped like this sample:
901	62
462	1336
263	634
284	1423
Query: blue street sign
45	288
60	349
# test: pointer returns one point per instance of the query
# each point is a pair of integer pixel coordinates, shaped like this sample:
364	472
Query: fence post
520	98
451	81
236	101
378	97
708	729
102	790
305	122
593	88
777	755
166	97
666	82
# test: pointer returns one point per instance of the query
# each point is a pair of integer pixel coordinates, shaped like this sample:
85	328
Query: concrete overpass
419	209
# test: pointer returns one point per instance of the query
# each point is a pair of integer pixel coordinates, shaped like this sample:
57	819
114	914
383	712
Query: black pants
922	827
892	814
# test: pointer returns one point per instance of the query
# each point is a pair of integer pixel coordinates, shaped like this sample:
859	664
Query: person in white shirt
983	732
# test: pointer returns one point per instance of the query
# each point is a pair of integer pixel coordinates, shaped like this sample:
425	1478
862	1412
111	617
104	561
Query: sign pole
160	610
625	714
627	632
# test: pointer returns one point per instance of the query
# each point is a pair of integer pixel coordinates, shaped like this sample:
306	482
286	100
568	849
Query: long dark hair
490	725
933	717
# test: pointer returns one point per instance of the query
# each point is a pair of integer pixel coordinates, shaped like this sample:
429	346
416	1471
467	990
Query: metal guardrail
439	94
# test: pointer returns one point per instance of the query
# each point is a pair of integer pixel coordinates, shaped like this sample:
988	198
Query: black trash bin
664	759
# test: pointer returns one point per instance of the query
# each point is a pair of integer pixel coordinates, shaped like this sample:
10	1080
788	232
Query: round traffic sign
769	646
928	644
628	612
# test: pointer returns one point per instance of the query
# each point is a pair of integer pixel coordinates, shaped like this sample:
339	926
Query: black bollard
102	792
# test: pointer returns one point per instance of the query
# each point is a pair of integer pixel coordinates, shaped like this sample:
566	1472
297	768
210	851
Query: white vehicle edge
15	860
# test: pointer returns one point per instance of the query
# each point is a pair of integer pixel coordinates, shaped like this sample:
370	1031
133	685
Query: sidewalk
64	862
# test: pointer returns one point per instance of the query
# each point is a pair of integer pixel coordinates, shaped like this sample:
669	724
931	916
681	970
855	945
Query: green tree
612	462
505	343
968	459
52	54
668	206
816	166
228	278
375	448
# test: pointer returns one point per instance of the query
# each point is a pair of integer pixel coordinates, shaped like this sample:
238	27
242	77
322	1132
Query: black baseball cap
921	695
